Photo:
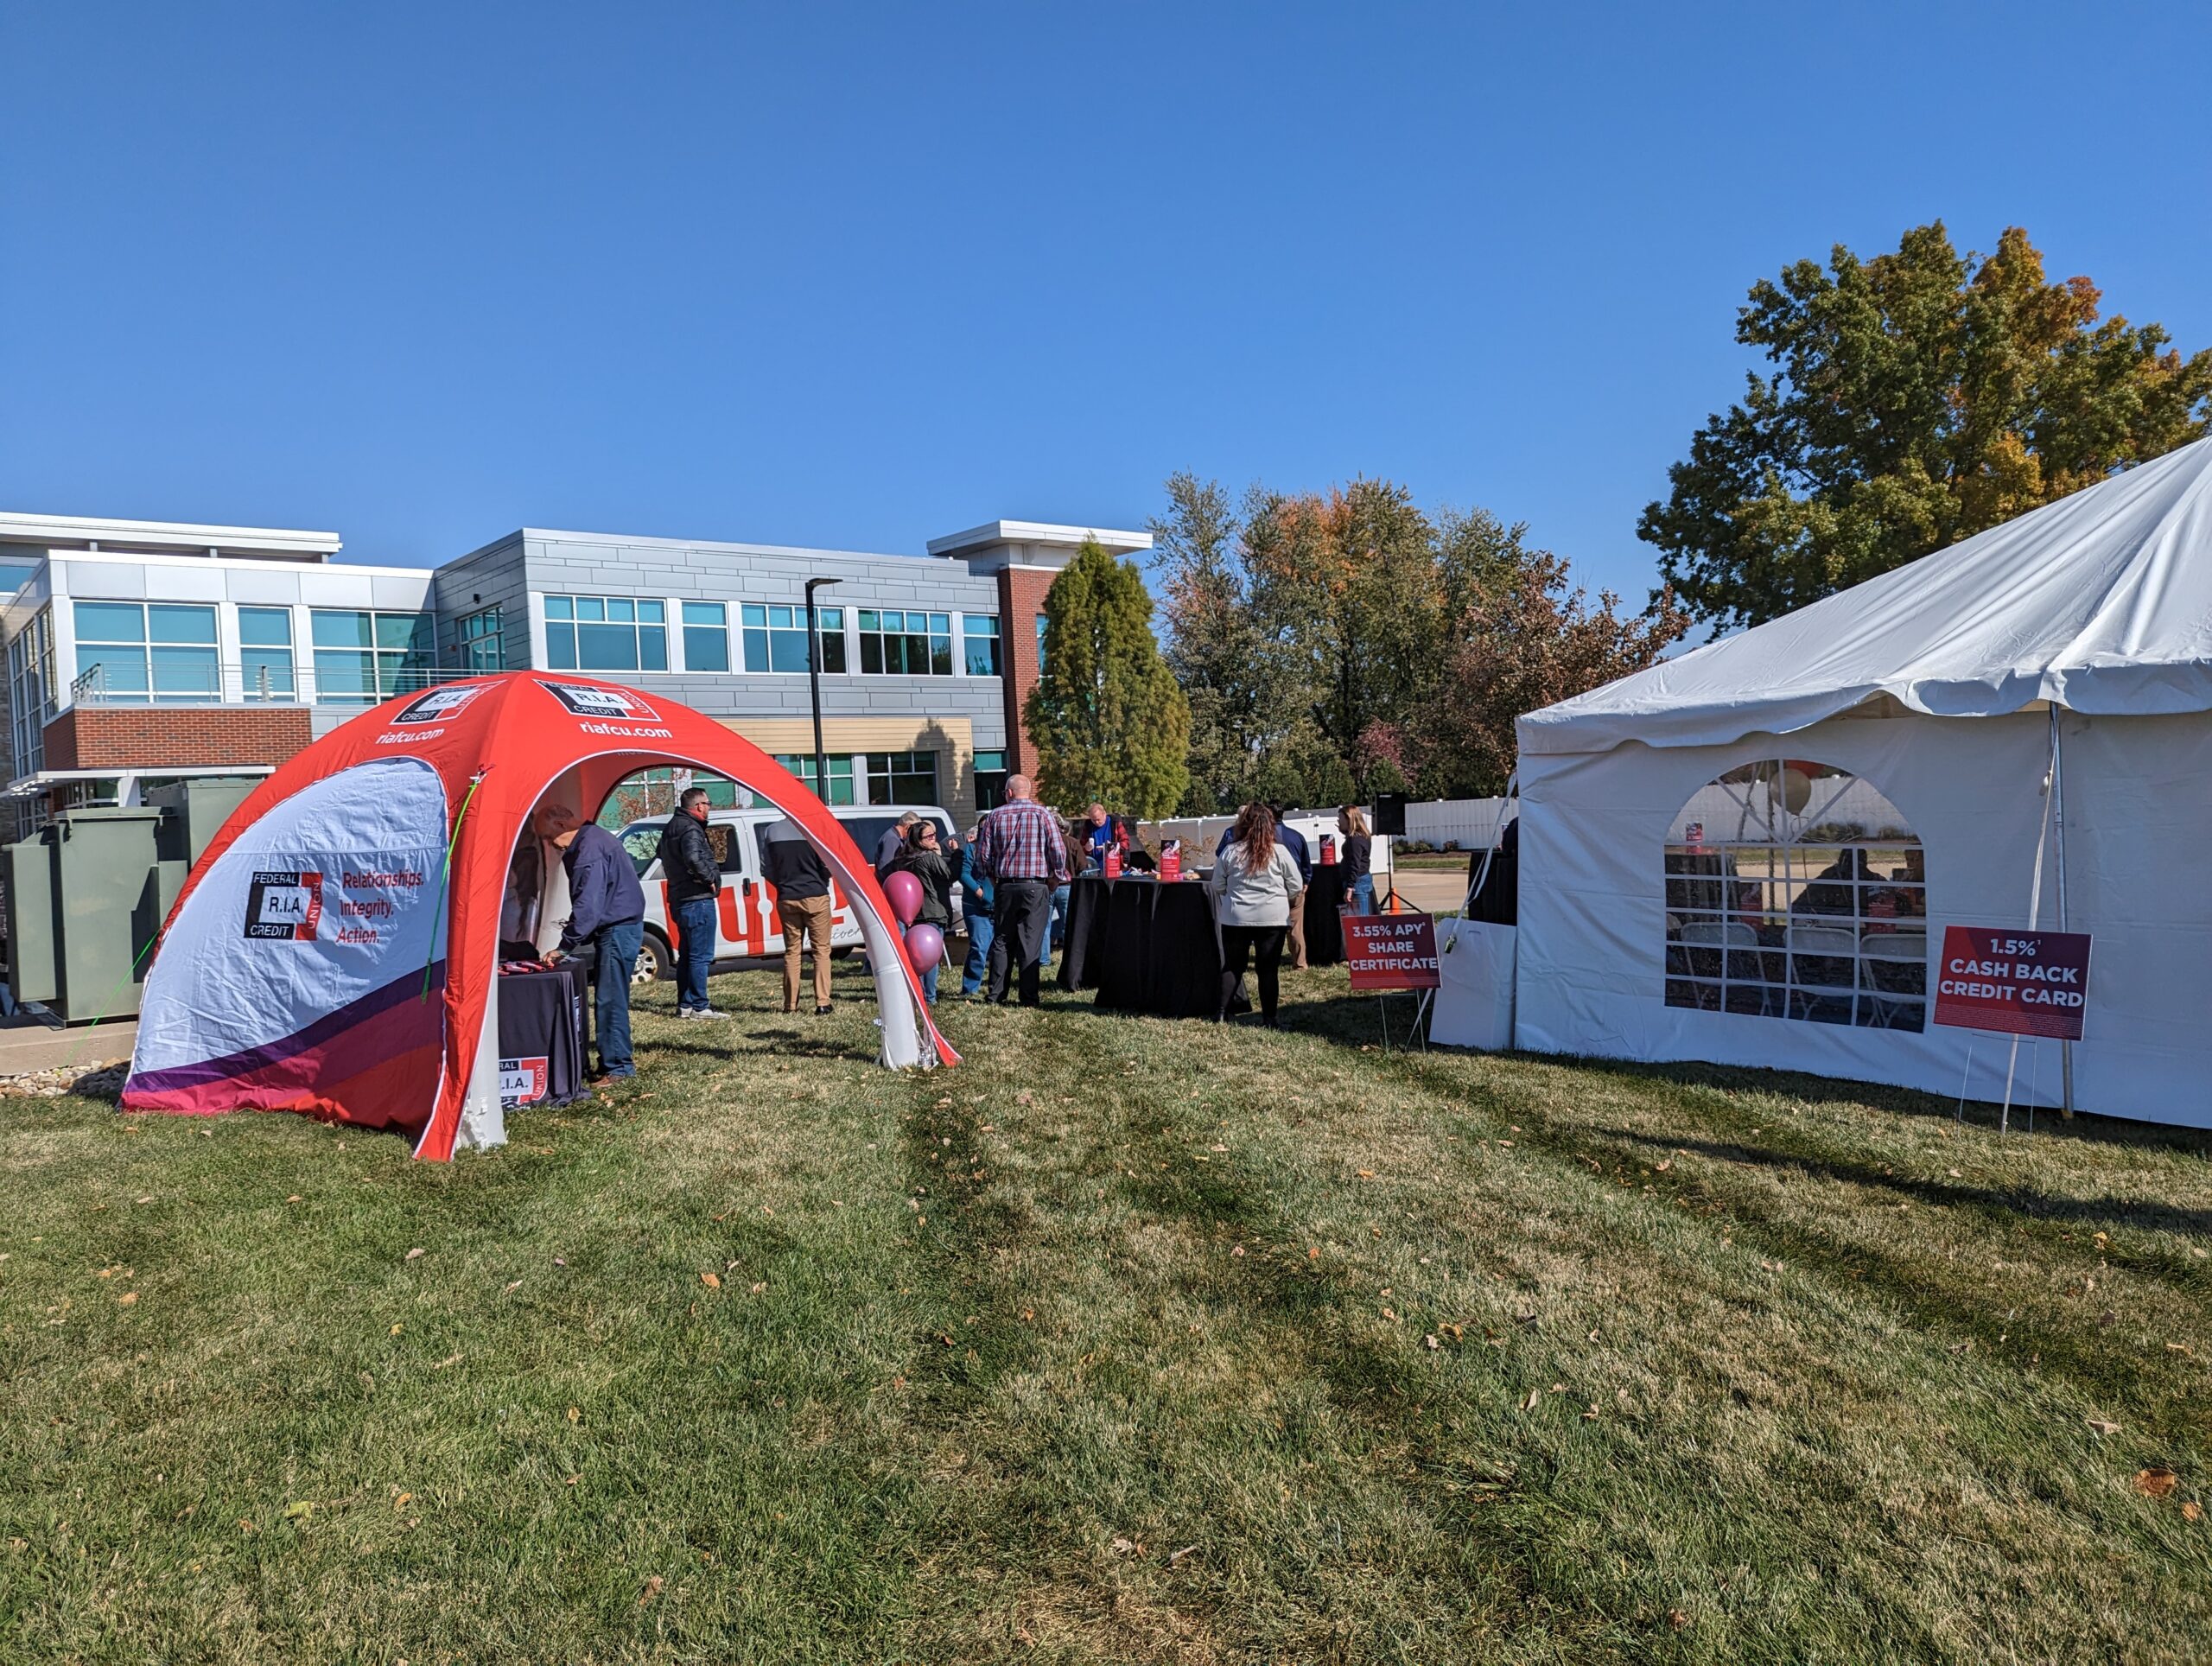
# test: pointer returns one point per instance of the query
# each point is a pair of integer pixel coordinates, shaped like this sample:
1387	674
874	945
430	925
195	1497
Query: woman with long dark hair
1253	885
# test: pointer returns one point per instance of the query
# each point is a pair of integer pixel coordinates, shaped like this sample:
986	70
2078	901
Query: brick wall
154	739
1021	598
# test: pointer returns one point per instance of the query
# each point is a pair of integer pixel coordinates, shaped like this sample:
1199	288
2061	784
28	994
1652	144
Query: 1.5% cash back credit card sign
2021	982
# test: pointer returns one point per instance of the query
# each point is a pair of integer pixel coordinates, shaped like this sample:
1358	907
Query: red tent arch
334	949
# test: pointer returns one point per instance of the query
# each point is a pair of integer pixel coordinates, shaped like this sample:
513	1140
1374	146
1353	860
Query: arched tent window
1797	890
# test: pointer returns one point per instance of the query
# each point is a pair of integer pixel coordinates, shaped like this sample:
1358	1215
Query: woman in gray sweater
1254	886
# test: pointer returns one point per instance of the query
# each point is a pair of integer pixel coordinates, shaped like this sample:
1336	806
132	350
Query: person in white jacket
1255	885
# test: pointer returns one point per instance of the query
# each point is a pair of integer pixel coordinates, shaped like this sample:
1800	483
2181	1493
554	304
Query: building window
1794	890
30	691
605	634
129	652
478	643
361	657
902	778
897	644
990	779
980	637
265	654
775	638
1040	644
706	637
841	774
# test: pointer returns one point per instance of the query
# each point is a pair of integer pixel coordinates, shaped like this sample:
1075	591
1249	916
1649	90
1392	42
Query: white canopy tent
1736	856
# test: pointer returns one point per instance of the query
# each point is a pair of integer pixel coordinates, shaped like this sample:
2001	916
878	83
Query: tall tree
1918	397
1108	719
1525	641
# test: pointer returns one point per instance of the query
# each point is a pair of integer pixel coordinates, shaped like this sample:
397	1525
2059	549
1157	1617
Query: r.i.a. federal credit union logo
283	908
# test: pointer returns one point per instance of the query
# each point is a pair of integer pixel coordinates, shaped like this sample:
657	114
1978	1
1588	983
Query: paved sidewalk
26	1044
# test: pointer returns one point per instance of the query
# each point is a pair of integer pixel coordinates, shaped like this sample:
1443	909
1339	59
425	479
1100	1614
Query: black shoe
823	1011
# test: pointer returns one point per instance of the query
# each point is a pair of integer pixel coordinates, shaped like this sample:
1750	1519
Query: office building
139	652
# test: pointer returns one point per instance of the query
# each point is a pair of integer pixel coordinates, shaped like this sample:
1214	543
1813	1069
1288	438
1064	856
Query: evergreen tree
1109	722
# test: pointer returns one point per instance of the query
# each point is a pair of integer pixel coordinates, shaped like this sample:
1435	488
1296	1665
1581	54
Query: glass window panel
788	650
787	618
871	654
940	624
756	650
833	653
706	648
330	629
619	610
168	622
403	632
752	613
871	619
831	619
653	647
592	608
559	608
703	612
653	613
108	621
607	647
343	679
265	627
185	673
112	673
266	674
561	646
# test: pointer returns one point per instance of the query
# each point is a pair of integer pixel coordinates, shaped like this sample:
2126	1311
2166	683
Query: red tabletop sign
2023	983
1391	951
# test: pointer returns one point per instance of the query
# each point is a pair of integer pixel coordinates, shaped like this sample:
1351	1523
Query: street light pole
814	687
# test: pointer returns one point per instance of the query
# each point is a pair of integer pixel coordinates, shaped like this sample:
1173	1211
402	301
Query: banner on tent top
1391	951
2015	980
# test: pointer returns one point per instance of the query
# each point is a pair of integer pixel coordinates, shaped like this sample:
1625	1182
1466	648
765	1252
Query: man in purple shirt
1022	849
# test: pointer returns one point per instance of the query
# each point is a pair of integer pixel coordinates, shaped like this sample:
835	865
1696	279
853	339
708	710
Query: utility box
88	893
84	901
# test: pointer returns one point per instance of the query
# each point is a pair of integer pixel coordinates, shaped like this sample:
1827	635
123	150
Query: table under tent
1747	854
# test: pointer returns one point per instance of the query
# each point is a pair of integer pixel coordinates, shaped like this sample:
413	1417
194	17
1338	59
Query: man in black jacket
791	864
695	879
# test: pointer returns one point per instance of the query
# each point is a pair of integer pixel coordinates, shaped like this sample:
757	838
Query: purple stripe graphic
325	1029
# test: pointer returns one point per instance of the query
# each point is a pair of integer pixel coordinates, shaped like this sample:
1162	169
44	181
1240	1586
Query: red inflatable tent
336	949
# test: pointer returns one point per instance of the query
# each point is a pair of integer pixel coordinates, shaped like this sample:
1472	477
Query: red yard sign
2023	983
1391	951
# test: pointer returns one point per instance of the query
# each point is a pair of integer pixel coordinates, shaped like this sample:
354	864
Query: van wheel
655	963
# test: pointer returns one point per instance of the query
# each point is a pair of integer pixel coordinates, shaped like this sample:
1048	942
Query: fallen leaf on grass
1664	1167
415	1255
1430	1343
575	1416
397	1329
400	1503
1127	1547
1530	1404
651	1590
450	1359
1591	1415
2192	1511
2101	1426
126	1298
299	1511
1677	1618
1174	1556
513	1286
712	1280
1366	1174
2155	1483
758	1287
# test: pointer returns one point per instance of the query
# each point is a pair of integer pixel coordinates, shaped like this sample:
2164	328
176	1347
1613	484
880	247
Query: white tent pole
2058	822
2035	900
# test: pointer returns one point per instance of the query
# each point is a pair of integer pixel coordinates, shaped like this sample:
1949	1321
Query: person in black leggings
1255	884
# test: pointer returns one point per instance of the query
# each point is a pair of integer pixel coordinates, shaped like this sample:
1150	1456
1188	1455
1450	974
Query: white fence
1469	823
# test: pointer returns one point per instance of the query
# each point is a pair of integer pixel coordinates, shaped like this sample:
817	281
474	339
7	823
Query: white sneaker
706	1012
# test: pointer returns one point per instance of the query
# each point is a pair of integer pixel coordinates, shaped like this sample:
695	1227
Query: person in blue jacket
975	909
606	923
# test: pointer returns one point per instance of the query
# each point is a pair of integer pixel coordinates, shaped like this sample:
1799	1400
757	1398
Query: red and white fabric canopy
335	949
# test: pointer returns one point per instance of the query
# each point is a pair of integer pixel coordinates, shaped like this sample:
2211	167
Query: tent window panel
1795	890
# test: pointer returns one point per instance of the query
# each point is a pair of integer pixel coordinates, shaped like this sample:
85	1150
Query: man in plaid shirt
1022	847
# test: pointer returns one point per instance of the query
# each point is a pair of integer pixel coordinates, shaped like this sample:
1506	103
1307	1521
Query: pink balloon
924	945
905	894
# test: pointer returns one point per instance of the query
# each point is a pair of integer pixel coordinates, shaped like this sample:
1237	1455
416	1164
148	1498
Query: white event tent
1747	854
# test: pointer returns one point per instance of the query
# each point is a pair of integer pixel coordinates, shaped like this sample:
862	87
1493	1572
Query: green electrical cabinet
87	894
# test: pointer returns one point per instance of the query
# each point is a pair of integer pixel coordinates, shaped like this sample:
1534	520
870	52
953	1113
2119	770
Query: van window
866	830
729	846
642	840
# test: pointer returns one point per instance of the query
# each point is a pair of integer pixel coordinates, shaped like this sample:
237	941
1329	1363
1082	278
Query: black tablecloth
1499	903
545	1027
1145	945
1324	928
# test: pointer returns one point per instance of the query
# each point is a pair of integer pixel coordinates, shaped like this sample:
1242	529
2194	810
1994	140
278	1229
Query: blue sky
858	277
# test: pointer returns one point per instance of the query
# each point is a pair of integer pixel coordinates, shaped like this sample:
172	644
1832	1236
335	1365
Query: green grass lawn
1130	1341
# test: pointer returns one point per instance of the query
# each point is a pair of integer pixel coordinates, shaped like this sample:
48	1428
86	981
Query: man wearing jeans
607	922
1024	849
694	878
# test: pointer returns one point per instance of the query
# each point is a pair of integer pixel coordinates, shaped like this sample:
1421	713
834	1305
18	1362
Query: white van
746	929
